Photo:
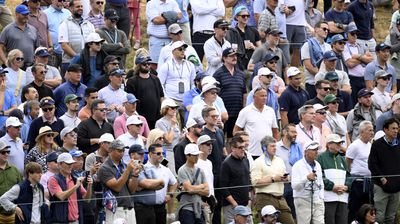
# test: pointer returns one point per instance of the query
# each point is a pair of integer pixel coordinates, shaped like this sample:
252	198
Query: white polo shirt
257	124
129	140
164	173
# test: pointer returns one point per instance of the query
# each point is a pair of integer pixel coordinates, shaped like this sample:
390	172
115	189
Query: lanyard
115	36
305	132
176	67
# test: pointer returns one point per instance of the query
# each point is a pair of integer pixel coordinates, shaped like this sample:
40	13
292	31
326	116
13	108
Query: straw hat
44	131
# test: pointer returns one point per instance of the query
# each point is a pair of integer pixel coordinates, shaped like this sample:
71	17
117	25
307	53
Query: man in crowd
72	33
292	98
345	102
382	56
322	88
52	169
67	192
269	215
312	55
121	179
361	191
214	47
233	88
11	176
193	133
72	85
90	130
69	137
306	131
70	118
19	35
394	109
235	171
39	71
52	76
308	186
381	99
259	120
383	164
364	110
110	62
337	43
196	186
96	158
116	42
11	138
241	215
336	180
148	90
27	197
91	94
338	18
95	15
132	136
268	174
47	119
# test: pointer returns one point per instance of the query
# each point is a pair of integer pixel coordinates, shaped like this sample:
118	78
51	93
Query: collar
16	26
112	89
8	138
256	109
393	143
44	120
39	14
73	85
91	13
220	43
66	114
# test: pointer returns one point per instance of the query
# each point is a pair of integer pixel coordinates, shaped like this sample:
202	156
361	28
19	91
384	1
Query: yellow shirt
261	170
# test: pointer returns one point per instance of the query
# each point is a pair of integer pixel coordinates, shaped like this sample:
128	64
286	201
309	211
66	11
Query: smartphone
98	159
293	8
87	173
164	162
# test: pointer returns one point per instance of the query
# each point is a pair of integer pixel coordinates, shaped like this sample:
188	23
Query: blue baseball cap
352	28
52	157
330	56
117	71
228	51
22	9
241	210
270	56
337	37
77	153
130	98
142	59
239	9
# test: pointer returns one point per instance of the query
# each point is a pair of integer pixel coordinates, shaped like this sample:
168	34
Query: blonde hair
153	136
12	55
41	145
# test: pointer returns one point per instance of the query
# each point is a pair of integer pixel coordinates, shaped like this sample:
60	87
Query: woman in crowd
44	145
16	77
365	215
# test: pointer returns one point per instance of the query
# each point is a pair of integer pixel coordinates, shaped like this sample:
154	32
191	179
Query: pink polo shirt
73	210
120	125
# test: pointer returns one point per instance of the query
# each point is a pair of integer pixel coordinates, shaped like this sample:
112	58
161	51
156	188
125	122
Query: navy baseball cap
270	56
337	37
227	52
117	71
364	92
136	148
330	56
142	59
381	46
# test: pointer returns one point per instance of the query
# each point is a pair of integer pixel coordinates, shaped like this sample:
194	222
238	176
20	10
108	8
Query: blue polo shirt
232	89
363	17
373	66
9	101
291	100
64	89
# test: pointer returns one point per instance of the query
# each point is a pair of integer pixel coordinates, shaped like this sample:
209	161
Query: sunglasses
269	76
353	34
114	20
272	62
208	144
180	49
97	43
160	138
334	102
157	153
325	29
16	127
178	33
372	213
5	152
224	28
100	3
213	92
214	116
145	64
244	16
384	78
19	59
62	0
43	72
321	112
173	108
47	109
102	109
50	135
340	42
138	125
326	89
114	63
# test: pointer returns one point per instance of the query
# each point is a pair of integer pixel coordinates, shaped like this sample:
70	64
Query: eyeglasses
100	3
340	42
19	59
178	33
50	135
173	108
326	88
244	16
102	109
325	29
272	62
321	112
43	72
16	127
47	109
5	152
157	153
384	78
207	144
62	0
372	213
180	49
275	216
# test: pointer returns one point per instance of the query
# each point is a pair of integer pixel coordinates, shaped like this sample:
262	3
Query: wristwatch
272	179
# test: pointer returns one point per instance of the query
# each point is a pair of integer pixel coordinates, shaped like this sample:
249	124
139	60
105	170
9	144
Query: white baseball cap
106	137
318	106
209	80
13	121
192	149
264	71
269	210
168	103
178	44
65	157
134	119
94	37
293	71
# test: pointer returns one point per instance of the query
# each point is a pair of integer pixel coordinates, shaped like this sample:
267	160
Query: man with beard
19	35
39	71
363	111
148	90
70	117
382	55
193	133
72	33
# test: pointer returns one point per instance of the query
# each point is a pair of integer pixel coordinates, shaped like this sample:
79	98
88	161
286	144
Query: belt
271	195
209	32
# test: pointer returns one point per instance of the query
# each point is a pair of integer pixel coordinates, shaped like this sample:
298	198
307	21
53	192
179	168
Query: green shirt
9	177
